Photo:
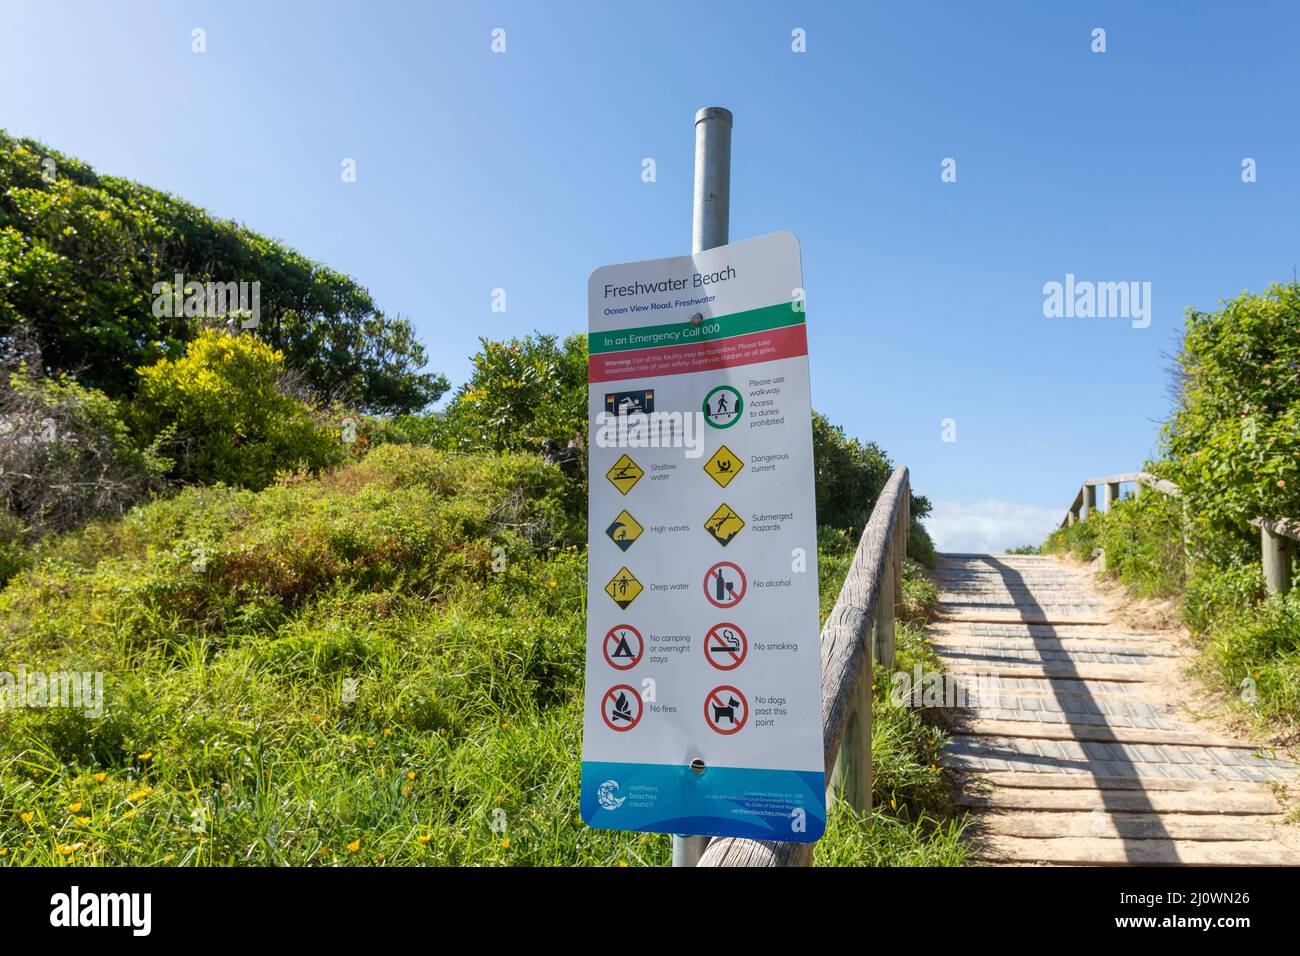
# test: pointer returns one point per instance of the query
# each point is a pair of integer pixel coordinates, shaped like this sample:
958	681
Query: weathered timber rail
1277	547
858	632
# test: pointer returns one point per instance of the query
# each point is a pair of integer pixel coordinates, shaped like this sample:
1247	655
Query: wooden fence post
851	777
884	628
1276	550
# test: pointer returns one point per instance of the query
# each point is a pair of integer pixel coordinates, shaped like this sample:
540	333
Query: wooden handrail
1276	550
860	627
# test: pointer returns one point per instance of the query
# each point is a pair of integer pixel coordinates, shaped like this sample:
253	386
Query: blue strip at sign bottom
787	805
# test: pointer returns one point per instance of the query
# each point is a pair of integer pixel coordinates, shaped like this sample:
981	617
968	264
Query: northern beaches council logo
607	795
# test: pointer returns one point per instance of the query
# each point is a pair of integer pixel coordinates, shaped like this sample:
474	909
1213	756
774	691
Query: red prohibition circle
609	658
640	708
727	658
713	703
711	584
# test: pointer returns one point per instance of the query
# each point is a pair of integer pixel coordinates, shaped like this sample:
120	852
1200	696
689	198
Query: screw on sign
620	708
725	709
623	647
725	646
725	584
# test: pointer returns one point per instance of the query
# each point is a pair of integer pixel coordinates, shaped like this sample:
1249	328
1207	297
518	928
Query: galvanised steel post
709	222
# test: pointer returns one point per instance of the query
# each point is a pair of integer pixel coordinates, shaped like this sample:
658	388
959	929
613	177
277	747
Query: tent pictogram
724	584
725	709
725	646
621	708
623	647
623	587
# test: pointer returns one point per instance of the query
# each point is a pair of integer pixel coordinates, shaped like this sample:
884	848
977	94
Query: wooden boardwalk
1074	746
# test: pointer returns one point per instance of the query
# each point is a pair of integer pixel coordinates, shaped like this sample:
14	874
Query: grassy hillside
231	626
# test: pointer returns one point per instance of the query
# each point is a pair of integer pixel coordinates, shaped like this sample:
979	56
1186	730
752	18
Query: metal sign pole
709	228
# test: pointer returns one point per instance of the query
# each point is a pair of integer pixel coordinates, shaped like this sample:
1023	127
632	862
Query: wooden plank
1101	733
1135	801
1003	779
1115	673
1018	615
1129	826
1100	852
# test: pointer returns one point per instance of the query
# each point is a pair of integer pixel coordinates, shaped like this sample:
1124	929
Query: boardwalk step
1217	803
1076	851
1102	824
1089	781
1102	733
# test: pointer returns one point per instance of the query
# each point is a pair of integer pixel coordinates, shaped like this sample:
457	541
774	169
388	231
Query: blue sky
522	171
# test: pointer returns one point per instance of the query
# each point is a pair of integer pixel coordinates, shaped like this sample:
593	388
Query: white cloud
989	526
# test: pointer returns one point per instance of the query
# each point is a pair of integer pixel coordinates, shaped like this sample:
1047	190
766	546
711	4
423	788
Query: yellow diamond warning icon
624	529
723	466
724	524
623	588
624	474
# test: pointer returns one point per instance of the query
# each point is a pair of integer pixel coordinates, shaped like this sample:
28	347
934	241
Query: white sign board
703	689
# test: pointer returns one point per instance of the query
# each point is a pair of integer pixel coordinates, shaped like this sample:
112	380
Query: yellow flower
73	808
27	817
148	755
410	775
317	717
501	798
100	777
505	844
379	772
354	845
622	862
4	852
139	794
68	849
424	838
129	814
82	821
388	731
553	584
892	804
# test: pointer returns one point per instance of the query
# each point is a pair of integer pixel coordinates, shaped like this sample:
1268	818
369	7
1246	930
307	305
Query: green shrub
522	393
81	253
14	556
1216	595
1256	651
1233	443
220	415
66	455
1079	540
1143	541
